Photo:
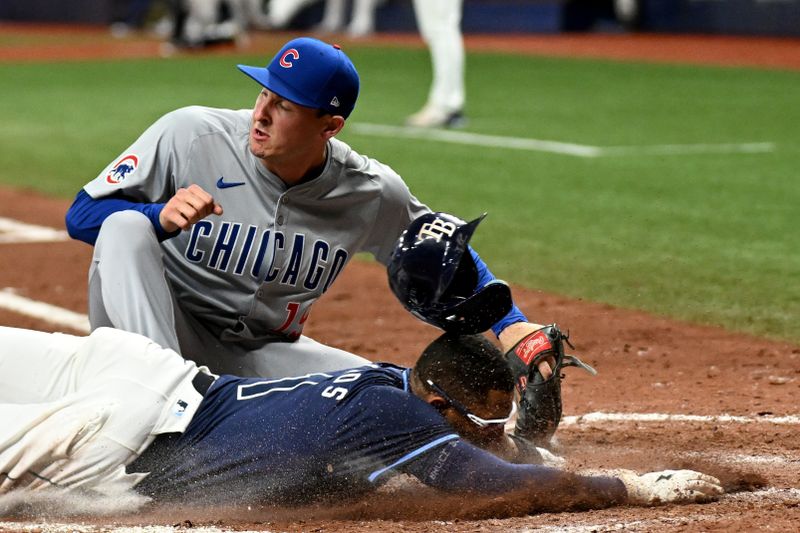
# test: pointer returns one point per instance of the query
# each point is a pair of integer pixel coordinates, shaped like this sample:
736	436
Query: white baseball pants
76	410
439	23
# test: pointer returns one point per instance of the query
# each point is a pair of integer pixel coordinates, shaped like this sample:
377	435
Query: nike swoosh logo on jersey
222	184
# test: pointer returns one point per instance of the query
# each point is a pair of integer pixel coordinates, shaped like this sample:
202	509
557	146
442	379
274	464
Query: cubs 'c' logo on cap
290	52
122	169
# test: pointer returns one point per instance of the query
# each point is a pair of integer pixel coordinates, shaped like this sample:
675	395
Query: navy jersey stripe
373	476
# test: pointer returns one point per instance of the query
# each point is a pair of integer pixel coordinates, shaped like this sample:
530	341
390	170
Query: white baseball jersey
254	272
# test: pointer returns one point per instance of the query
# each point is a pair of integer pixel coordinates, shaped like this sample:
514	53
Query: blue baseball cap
311	73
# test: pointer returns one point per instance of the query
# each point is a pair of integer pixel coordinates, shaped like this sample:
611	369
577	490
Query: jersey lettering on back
297	438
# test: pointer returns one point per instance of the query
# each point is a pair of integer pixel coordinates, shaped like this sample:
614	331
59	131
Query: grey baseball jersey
254	272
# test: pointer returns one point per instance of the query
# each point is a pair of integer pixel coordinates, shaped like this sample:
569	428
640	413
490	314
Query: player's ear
333	125
437	401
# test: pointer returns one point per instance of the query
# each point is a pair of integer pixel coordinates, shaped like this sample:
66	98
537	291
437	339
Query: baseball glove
669	486
540	399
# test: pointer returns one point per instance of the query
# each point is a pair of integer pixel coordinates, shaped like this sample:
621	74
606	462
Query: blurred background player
201	23
439	23
362	21
281	12
132	16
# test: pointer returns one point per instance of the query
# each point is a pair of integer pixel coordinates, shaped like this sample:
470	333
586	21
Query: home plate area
668	395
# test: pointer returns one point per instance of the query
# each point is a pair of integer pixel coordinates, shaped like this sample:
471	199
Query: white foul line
15	231
49	313
680	149
589	418
56	527
476	139
555	147
782	461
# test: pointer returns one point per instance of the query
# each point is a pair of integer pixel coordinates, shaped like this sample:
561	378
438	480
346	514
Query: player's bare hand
546	367
187	207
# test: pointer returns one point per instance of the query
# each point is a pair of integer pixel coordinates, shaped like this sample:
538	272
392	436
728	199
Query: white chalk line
688	149
476	139
745	459
775	495
591	418
50	527
58	316
555	147
14	231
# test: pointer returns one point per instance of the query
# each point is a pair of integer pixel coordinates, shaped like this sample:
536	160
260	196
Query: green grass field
707	237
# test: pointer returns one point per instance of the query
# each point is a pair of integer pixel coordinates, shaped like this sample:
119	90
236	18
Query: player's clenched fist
187	207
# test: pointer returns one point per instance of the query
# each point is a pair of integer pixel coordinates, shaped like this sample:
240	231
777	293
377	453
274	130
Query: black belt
202	382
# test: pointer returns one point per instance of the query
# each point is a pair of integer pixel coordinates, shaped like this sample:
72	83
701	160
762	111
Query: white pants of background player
281	13
76	410
362	22
439	23
202	19
202	24
141	300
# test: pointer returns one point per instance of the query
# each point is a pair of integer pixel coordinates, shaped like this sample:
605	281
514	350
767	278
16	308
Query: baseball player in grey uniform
216	230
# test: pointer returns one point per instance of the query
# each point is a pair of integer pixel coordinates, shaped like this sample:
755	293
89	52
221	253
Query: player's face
498	405
286	134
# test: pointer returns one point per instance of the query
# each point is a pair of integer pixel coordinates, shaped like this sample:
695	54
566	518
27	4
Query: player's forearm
86	215
514	316
514	333
462	467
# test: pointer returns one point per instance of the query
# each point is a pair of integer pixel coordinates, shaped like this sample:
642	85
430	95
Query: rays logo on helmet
290	52
122	169
436	230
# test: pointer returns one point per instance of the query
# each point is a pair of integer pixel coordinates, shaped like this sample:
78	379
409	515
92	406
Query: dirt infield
648	365
668	394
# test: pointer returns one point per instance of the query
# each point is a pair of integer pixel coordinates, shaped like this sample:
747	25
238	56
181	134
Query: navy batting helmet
434	276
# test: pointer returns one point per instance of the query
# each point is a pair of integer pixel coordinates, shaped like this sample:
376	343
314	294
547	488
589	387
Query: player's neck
295	173
415	385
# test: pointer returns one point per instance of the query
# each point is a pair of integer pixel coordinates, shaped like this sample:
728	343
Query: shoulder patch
122	169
